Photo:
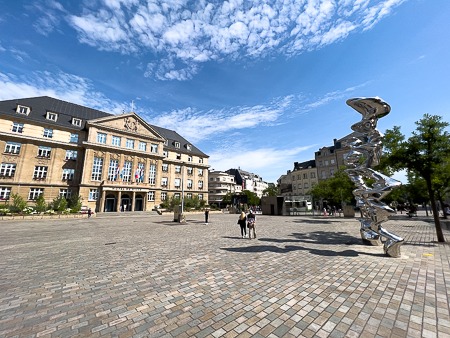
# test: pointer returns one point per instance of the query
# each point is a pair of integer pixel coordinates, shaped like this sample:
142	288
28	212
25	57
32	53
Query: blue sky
254	84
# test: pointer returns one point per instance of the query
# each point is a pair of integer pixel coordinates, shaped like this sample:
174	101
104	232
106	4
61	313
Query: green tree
74	203
271	190
59	204
425	153
252	198
41	206
337	190
18	203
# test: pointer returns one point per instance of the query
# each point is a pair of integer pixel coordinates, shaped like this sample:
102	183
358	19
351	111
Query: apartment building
249	181
114	162
221	183
330	159
300	180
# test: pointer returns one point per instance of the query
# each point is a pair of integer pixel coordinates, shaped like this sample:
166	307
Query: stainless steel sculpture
366	149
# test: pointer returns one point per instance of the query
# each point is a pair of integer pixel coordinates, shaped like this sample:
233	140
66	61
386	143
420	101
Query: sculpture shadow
291	248
318	237
316	221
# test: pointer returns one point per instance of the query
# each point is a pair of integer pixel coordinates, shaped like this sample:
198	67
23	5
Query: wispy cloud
63	86
200	125
185	34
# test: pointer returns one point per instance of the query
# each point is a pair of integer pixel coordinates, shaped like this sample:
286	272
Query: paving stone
164	279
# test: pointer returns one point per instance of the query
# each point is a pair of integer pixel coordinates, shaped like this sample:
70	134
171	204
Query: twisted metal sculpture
366	148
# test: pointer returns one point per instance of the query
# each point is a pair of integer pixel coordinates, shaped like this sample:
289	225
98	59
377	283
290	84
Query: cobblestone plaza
142	275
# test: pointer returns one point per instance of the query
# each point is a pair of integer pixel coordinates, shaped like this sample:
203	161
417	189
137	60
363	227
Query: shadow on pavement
289	248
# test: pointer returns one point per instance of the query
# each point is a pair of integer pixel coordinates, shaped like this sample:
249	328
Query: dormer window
23	109
166	142
177	144
52	116
189	146
76	122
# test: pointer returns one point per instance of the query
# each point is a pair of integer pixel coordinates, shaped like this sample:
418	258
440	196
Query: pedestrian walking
206	215
251	223
242	221
89	213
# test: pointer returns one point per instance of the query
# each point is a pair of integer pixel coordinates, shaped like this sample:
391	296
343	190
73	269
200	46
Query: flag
116	176
141	175
136	174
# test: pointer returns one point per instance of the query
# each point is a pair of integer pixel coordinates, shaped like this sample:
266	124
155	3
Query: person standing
251	223
206	215
242	221
89	213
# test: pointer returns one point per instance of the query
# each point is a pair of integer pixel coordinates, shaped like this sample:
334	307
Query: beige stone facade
114	162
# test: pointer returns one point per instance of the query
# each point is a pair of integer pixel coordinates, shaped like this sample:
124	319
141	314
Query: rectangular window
52	116
48	133
200	160
189	195
17	128
177	169
130	143
305	175
5	192
97	168
93	194
44	151
163	196
189	184
151	196
176	196
142	146
73	138
165	153
35	193
71	155
152	174
23	109
12	148
139	173
200	172
40	172
332	161
189	158
68	174
115	141
177	183
177	144
200	197
165	167
113	170
164	181
126	171
178	156
189	147
306	186
190	171
7	169
66	193
154	148
313	175
76	122
101	138
200	185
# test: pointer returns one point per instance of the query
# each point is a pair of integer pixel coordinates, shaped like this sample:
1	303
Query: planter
348	211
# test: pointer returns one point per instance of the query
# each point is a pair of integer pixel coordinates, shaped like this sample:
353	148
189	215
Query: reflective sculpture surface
366	149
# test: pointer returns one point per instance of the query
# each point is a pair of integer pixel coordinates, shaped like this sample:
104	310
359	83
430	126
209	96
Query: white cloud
192	33
200	125
63	86
270	161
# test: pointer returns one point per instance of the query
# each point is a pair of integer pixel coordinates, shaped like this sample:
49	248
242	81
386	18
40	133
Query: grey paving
139	275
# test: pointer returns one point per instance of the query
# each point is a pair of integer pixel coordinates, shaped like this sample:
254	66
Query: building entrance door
125	204
110	203
138	203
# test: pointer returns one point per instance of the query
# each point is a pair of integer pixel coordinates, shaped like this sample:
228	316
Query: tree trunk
437	222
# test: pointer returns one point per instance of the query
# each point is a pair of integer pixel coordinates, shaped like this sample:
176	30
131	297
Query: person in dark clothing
89	213
206	215
242	221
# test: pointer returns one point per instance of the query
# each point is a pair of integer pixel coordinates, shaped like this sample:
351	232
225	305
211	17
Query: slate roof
66	111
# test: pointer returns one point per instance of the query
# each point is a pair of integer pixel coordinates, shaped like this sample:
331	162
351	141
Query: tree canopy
426	153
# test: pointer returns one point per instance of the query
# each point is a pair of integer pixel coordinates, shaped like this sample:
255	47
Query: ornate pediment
128	123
